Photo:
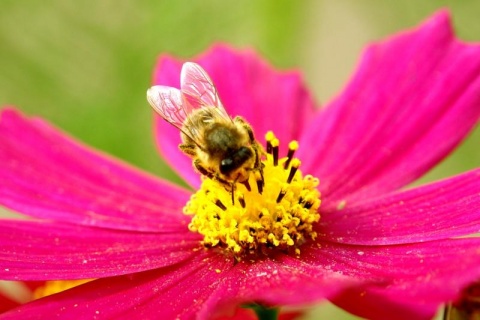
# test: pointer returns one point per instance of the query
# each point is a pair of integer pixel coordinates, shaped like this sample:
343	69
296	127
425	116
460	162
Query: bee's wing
169	104
199	90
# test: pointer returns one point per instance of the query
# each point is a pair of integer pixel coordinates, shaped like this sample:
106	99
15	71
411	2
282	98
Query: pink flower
381	251
29	291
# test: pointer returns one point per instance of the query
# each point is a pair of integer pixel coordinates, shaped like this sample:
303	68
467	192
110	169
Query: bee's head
239	159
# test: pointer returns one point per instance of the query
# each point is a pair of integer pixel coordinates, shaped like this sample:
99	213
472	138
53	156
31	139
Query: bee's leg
257	148
229	186
247	127
258	163
204	172
202	169
188	149
233	193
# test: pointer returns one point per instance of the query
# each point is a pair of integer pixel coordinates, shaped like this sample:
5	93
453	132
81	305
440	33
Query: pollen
275	209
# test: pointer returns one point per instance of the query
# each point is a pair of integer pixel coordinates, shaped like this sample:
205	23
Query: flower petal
421	275
412	100
6	303
32	250
48	175
440	210
368	304
173	292
206	286
281	281
248	87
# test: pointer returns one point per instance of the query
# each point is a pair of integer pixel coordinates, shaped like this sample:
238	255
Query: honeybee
222	148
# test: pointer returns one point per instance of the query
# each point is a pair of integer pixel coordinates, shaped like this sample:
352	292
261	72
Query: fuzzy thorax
269	214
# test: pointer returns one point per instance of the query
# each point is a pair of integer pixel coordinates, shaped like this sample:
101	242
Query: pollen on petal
274	210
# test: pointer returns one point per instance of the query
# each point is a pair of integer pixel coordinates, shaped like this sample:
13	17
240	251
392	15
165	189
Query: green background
85	65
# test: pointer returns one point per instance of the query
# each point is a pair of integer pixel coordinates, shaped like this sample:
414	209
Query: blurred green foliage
85	65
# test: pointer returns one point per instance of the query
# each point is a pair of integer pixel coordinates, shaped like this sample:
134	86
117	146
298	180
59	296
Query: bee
222	148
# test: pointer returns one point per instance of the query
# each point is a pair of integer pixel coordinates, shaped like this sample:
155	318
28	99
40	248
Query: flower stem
263	312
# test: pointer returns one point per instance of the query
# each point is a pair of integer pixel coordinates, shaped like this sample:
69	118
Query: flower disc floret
274	210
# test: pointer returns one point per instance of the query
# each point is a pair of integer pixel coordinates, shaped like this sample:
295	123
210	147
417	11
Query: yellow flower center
276	212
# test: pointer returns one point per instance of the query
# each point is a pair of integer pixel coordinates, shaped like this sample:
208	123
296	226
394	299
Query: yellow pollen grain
277	213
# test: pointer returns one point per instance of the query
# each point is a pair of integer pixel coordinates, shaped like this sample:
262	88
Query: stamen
241	199
275	145
220	205
281	194
308	205
292	147
269	137
293	169
309	202
247	185
260	182
277	215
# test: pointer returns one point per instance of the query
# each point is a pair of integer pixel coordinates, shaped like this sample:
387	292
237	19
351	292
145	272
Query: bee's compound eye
226	165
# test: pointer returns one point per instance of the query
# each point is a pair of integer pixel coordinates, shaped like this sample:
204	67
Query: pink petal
440	210
46	174
206	286
45	250
426	274
6	304
423	273
172	292
240	314
412	100
374	306
248	87
281	281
